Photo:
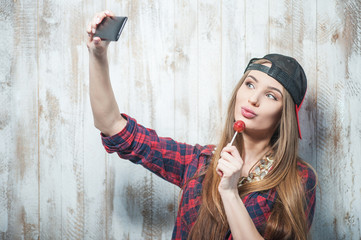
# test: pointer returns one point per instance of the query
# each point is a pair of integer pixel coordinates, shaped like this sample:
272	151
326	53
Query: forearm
241	224
105	109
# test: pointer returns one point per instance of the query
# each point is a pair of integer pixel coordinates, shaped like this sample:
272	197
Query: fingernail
98	20
107	12
93	30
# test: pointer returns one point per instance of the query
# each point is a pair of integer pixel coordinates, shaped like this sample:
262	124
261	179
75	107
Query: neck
254	148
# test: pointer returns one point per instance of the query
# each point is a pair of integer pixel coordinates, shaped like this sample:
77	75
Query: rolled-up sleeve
165	157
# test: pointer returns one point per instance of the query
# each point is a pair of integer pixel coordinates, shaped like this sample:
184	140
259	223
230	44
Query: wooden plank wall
173	69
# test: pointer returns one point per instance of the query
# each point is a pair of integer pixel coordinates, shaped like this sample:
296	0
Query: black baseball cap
287	71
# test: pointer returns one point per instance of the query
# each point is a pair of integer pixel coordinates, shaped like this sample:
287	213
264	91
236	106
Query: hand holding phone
110	28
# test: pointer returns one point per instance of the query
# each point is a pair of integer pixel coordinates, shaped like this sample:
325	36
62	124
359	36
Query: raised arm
105	109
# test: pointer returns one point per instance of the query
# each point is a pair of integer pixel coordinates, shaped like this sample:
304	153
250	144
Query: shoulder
307	174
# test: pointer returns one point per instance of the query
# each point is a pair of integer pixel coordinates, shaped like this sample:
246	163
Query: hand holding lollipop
238	127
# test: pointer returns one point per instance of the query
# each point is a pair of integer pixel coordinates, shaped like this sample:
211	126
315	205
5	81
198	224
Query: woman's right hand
95	45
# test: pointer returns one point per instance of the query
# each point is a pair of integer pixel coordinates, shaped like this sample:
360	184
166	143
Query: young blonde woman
258	188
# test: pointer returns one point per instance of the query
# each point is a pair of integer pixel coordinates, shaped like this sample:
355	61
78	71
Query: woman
258	188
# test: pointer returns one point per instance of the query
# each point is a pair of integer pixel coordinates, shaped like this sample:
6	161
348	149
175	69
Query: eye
269	95
249	85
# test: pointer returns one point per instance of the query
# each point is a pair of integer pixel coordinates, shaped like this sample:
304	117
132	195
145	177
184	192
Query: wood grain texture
281	26
209	70
61	120
96	198
22	175
7	46
141	207
186	71
173	69
257	28
233	49
337	146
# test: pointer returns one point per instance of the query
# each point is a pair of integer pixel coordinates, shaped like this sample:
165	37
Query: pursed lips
248	113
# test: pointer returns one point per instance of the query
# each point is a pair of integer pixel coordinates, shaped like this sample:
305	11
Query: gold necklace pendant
262	168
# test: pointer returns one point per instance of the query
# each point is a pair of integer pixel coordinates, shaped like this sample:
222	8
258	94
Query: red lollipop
238	127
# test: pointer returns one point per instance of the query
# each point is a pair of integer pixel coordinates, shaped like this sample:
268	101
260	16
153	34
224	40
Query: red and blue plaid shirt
179	162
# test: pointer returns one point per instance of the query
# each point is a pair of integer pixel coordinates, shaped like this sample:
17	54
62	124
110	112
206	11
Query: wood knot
334	37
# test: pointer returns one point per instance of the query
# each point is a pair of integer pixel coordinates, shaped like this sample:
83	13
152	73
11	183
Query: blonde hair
287	219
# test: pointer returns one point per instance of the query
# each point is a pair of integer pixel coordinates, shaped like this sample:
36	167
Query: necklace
261	168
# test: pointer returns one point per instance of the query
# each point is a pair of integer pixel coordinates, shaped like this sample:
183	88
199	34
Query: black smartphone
110	28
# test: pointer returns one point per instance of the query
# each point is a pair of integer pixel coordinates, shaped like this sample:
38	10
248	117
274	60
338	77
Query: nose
254	99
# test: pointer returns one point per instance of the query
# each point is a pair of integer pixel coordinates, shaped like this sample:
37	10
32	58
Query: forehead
264	79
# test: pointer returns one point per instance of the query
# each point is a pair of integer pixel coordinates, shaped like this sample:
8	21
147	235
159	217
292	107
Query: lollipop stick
234	137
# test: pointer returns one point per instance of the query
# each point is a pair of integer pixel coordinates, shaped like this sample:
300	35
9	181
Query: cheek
273	113
241	95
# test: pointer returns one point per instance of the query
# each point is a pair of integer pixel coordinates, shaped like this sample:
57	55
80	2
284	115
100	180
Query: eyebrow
273	88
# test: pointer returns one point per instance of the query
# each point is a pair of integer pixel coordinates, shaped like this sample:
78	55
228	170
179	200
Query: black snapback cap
287	71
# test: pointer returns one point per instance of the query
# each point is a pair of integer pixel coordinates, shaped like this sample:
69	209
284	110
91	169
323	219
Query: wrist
98	54
229	194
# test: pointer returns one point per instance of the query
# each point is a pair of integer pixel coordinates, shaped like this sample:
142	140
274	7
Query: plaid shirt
179	162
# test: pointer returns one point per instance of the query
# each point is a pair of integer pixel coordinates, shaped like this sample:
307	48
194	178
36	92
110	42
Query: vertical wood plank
61	120
186	71
142	210
280	27
233	48
7	22
20	123
257	28
73	135
305	51
96	199
50	121
209	70
338	51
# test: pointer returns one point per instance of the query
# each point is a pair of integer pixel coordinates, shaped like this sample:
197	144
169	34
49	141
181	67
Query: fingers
225	168
97	19
230	162
231	151
96	42
219	172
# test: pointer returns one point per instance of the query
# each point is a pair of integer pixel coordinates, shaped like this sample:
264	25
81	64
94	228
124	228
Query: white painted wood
61	120
96	198
142	209
173	69
209	70
51	87
7	147
20	181
257	28
305	51
186	71
338	145
233	49
280	26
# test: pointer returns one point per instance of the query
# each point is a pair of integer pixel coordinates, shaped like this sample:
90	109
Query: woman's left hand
229	168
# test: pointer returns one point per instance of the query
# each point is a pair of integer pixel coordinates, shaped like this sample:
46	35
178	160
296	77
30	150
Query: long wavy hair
287	219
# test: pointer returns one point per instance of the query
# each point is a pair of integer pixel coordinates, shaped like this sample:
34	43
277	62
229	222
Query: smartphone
110	28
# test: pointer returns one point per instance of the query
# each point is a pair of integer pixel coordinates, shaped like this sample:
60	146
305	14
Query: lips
248	113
